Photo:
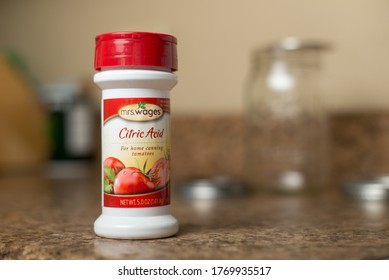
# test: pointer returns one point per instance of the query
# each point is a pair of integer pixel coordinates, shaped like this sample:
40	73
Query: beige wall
215	39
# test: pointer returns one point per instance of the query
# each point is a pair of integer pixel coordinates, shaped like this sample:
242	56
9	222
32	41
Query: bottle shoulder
135	78
133	74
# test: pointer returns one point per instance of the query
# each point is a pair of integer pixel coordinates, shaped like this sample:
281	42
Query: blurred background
56	41
46	61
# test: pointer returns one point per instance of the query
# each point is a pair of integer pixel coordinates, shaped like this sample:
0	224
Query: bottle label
136	152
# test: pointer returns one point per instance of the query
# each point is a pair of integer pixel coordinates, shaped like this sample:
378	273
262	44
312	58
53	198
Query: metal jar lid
210	188
375	188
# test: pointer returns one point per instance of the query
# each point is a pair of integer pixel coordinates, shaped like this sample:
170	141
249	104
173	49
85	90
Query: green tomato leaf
109	173
144	167
108	186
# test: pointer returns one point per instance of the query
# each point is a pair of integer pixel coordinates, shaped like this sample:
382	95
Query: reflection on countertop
53	219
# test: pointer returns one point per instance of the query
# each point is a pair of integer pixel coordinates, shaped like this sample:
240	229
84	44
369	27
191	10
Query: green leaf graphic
108	187
109	173
142	105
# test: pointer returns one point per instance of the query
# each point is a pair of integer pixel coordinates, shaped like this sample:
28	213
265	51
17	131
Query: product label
136	152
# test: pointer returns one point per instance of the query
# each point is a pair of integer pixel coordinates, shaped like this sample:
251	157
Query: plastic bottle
136	76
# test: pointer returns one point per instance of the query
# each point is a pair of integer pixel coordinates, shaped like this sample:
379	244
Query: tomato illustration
112	166
132	180
160	173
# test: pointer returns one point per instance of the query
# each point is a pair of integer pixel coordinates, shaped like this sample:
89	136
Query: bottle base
121	227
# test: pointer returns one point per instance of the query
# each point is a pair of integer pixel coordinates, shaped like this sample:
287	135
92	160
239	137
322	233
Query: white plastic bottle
136	76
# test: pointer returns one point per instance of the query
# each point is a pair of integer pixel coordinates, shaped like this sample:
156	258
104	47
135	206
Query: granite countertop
45	218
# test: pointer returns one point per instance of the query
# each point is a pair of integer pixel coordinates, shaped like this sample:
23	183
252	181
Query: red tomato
114	164
160	173
112	167
131	180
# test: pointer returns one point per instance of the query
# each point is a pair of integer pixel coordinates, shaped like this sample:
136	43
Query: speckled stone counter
204	146
53	219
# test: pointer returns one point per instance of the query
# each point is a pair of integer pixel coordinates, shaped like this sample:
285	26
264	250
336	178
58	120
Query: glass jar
286	140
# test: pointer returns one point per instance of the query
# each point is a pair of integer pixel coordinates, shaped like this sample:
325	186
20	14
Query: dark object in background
72	121
72	129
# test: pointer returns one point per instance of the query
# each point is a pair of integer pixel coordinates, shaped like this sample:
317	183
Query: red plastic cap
120	49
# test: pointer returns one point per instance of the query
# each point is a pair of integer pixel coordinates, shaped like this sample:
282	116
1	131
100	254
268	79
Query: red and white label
136	152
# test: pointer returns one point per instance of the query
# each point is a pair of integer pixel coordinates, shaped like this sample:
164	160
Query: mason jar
287	140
